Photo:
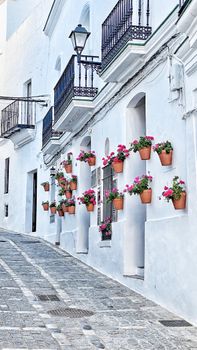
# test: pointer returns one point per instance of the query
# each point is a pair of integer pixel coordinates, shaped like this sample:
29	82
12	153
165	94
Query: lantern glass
79	37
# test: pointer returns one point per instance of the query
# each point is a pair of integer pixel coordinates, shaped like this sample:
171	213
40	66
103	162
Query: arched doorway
134	242
83	217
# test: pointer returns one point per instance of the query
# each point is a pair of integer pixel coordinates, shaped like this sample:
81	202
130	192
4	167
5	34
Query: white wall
170	244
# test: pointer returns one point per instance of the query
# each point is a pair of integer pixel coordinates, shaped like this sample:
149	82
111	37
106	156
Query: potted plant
106	229
64	203
68	193
73	183
141	186
143	146
59	209
59	176
45	205
117	160
164	150
45	186
116	197
87	157
67	164
63	183
89	199
71	206
61	192
176	193
53	207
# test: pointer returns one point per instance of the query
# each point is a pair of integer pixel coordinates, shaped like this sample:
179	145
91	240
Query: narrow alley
50	300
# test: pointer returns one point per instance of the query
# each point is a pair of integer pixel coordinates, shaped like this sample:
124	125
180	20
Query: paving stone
121	320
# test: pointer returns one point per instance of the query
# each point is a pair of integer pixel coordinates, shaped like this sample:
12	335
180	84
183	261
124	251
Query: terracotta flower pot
68	194
92	161
90	207
118	166
59	180
60	212
71	209
165	158
68	168
145	153
64	208
118	203
46	187
53	210
73	185
180	203
64	185
45	206
146	196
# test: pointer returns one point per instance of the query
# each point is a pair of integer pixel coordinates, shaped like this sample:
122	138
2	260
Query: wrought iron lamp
79	37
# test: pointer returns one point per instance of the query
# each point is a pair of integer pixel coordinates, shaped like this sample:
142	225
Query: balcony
50	138
18	122
73	95
187	22
127	24
183	5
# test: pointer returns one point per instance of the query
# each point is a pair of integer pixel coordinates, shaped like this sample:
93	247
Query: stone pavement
49	300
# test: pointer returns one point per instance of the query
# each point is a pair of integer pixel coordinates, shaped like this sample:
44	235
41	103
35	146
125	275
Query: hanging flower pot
60	212
92	161
90	207
71	209
53	210
146	196
176	192
164	151
165	158
68	168
64	208
73	185
45	206
60	180
46	186
118	203
180	203
145	153
68	194
117	166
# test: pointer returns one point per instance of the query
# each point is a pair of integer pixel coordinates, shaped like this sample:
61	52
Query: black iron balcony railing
182	5
18	115
129	19
47	130
77	80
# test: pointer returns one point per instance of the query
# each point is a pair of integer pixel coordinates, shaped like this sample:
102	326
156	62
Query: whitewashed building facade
146	85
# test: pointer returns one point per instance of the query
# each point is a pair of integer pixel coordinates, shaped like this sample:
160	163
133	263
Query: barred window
6	175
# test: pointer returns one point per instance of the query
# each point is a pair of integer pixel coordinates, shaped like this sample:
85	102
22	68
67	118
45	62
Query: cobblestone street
36	278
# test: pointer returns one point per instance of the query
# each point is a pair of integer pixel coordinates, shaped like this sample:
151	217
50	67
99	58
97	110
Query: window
6	210
108	183
6	175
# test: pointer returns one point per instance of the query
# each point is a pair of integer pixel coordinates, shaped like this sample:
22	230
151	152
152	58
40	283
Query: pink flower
135	142
165	188
182	182
168	193
151	138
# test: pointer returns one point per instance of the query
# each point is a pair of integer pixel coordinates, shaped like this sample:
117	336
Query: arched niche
134	239
83	217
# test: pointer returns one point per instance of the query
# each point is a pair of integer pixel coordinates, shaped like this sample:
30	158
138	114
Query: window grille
6	175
